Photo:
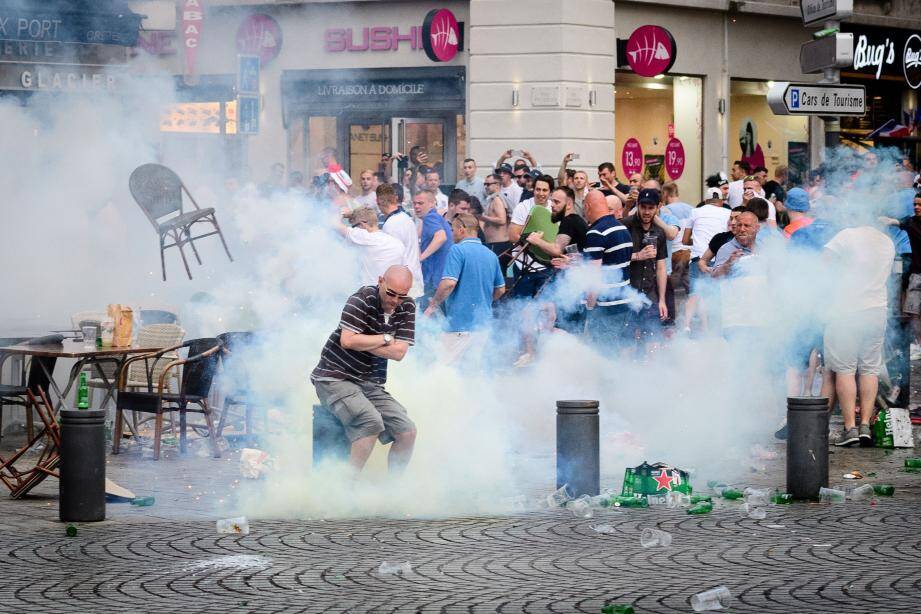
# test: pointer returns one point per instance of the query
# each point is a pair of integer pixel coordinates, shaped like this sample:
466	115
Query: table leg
54	386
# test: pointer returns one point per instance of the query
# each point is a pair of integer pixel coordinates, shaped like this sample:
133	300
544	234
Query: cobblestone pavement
855	556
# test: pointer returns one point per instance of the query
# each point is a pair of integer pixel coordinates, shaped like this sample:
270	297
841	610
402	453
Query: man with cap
337	189
705	221
647	264
797	204
509	189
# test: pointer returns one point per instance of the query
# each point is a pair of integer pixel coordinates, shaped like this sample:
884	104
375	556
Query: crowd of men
606	260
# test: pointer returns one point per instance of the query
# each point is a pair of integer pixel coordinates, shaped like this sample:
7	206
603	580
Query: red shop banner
674	158
631	159
193	16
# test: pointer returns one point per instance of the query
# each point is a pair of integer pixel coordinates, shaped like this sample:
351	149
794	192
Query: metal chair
197	375
18	393
158	316
158	191
235	379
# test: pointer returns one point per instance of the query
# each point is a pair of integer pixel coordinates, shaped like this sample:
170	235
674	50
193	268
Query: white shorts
854	343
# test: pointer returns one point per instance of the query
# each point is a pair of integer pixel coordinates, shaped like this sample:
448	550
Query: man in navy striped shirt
377	325
609	246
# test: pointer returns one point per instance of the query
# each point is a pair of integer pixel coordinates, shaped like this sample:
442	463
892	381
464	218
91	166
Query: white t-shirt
367	200
441	202
378	250
512	193
523	209
706	221
864	257
736	188
401	227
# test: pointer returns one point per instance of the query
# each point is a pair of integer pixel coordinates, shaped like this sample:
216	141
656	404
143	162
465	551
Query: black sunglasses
393	293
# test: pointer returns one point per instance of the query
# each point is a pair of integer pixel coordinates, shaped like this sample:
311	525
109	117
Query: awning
103	22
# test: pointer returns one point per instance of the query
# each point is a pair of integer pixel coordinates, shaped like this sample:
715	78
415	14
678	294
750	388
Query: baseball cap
505	168
648	195
797	200
713	193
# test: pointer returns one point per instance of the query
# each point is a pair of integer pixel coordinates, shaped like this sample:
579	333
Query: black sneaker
866	439
848	437
781	433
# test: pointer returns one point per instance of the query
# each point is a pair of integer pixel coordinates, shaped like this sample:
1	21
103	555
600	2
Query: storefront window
761	138
654	110
321	134
202	130
367	144
200	118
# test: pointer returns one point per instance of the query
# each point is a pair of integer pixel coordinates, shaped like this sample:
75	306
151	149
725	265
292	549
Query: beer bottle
731	493
704	507
83	393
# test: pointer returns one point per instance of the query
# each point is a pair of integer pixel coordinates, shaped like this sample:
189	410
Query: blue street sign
247	74
247	114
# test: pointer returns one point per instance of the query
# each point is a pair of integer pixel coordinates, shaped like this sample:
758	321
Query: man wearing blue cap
797	204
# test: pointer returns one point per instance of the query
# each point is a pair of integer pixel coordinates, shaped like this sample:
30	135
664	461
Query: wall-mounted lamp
593	98
515	97
721	106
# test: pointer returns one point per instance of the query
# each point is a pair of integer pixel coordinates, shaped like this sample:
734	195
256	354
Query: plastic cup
714	599
89	337
655	537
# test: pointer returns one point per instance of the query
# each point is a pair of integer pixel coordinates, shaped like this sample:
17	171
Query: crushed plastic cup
581	507
655	537
677	499
862	492
604	529
394	569
714	599
754	511
831	495
558	498
239	526
757	496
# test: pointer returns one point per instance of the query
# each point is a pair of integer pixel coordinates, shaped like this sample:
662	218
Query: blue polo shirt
433	266
476	269
609	241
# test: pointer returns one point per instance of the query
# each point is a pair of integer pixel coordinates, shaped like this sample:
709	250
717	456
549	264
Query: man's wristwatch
388	339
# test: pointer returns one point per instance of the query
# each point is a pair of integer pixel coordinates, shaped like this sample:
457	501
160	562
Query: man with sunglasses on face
377	324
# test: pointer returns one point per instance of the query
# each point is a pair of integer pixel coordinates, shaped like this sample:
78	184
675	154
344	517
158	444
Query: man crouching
377	325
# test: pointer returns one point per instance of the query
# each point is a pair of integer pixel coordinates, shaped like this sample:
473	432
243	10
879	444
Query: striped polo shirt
609	241
363	314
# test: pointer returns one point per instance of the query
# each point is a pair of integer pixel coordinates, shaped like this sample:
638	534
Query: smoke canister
577	453
82	483
807	446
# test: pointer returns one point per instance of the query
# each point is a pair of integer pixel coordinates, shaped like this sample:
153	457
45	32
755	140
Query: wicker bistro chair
197	375
158	191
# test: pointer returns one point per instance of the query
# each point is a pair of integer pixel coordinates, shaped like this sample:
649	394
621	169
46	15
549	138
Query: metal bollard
577	455
807	446
329	438
82	485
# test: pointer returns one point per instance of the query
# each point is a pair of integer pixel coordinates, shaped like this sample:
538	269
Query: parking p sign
794	98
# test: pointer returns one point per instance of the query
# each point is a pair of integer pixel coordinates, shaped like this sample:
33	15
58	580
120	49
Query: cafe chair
195	384
158	191
158	316
235	380
17	393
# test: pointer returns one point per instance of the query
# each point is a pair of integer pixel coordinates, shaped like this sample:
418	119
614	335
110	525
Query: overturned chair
158	191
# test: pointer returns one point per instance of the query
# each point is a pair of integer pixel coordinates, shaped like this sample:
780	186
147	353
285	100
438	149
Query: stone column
555	59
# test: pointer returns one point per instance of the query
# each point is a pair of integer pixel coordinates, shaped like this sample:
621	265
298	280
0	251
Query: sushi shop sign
439	35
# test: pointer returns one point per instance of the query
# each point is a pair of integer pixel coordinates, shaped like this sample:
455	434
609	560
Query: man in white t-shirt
368	183
752	189
739	171
398	224
378	250
509	189
433	182
856	328
531	281
704	222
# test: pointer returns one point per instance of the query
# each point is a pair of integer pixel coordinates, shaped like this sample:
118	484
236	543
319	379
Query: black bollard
82	485
329	440
807	446
577	457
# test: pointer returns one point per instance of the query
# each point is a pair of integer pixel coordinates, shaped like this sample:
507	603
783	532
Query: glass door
425	136
368	141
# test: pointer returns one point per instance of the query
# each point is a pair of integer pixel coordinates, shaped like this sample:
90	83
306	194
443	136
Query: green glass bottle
884	490
617	609
83	393
781	498
913	463
71	531
695	499
732	494
619	501
704	507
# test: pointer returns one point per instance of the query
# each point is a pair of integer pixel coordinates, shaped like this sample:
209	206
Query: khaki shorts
365	410
854	344
913	295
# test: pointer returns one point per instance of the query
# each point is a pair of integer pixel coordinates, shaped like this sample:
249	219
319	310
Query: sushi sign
440	35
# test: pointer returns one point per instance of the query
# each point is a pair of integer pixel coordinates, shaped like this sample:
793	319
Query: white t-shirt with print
378	250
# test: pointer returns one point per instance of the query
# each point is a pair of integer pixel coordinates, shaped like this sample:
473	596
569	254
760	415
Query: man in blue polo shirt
609	246
434	242
471	282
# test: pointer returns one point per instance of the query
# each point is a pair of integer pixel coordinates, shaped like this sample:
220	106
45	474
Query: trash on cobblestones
831	495
757	496
237	525
853	475
604	529
862	492
913	464
617	609
754	511
254	463
115	492
762	453
731	494
714	599
695	499
393	569
781	498
619	501
893	429
655	537
704	507
558	498
775	526
716	484
655	481
71	531
235	562
581	507
143	501
677	499
884	490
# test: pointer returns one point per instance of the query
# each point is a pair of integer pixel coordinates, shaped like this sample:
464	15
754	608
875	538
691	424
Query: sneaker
866	439
848	437
781	433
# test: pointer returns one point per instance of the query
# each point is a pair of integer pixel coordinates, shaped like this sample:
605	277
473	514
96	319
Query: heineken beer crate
654	482
893	429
